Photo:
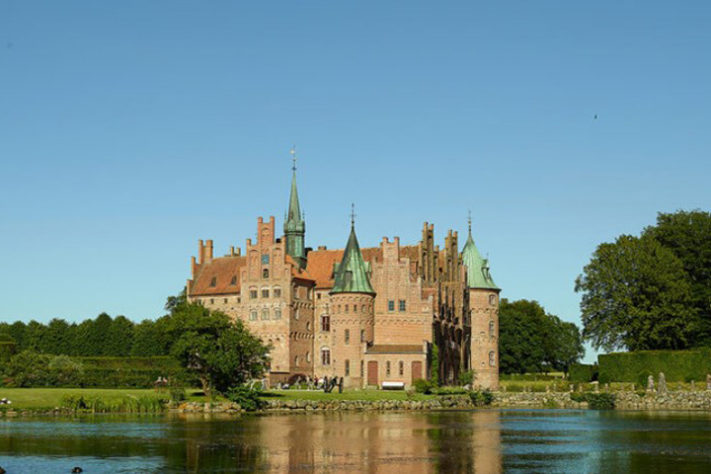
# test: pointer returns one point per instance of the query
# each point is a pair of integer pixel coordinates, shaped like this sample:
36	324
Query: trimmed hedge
678	366
139	363
583	373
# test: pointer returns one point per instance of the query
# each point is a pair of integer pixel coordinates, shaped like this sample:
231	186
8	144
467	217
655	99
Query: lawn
48	398
366	395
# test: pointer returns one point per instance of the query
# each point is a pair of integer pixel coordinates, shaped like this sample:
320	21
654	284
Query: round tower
483	316
352	314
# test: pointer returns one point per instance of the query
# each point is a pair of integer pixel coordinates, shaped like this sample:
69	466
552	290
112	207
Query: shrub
423	386
481	397
583	373
467	378
596	401
247	398
448	390
678	366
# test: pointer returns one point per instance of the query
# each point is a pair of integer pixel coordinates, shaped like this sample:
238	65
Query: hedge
678	366
583	373
140	363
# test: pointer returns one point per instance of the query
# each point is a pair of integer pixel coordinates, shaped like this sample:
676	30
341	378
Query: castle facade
391	313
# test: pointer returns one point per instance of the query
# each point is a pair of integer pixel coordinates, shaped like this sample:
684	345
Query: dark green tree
636	295
568	349
219	352
522	325
147	340
33	337
57	338
119	337
688	235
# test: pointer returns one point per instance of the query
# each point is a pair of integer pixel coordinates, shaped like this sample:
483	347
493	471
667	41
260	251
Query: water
486	441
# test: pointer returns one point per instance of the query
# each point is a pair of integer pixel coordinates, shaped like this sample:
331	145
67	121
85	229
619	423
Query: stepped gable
222	269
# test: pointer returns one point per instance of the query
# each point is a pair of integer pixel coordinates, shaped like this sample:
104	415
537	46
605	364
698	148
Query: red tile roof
222	269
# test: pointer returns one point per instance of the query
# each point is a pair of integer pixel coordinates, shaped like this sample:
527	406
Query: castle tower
484	316
352	316
294	225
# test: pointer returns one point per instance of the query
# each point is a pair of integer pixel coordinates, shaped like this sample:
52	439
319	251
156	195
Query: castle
392	313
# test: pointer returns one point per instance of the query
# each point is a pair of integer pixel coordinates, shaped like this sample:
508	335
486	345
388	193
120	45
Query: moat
446	441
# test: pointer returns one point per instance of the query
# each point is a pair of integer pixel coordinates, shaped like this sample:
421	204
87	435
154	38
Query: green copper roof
294	220
352	275
478	275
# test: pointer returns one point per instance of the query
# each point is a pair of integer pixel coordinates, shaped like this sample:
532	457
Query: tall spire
352	275
294	225
478	275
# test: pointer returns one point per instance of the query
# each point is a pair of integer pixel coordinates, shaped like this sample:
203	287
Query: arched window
345	308
325	356
277	313
492	358
492	328
265	273
325	323
253	315
252	293
265	314
387	368
308	325
401	368
265	292
362	335
296	313
308	356
277	292
296	360
348	368
347	336
492	300
363	309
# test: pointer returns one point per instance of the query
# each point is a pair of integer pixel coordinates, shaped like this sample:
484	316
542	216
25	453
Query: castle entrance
372	372
416	370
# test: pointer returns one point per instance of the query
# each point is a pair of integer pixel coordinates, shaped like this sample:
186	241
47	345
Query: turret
353	316
294	225
484	316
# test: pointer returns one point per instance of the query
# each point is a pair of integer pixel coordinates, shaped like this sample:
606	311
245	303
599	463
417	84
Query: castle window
296	360
265	314
296	313
308	325
338	308
308	356
362	335
387	369
362	368
348	368
213	282
347	336
492	300
401	368
265	292
391	305
225	301
253	293
233	281
253	315
325	356
492	328
401	305
492	359
363	308
265	273
265	259
318	296
277	313
345	308
277	292
212	300
325	323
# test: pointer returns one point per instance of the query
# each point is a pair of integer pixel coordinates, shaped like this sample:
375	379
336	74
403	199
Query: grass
365	395
49	398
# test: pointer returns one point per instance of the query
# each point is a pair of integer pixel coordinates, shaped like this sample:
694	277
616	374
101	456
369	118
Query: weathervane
469	219
353	214
293	157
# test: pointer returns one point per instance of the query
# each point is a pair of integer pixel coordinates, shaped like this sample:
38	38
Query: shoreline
698	401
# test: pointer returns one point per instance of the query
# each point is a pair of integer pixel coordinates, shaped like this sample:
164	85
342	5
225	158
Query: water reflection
488	441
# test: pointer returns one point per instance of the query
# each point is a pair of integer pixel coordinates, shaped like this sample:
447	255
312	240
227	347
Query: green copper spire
352	275
478	275
294	225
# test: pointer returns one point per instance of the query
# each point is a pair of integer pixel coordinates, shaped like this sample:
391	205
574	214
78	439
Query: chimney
208	256
201	252
192	266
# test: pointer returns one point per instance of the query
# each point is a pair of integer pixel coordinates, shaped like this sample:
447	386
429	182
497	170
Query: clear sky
130	129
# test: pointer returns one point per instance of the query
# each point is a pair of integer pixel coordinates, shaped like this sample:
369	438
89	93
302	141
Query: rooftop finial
353	215
293	157
469	220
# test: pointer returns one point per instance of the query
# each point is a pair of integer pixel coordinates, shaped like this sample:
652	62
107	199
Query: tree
688	235
532	340
219	352
636	295
147	340
119	337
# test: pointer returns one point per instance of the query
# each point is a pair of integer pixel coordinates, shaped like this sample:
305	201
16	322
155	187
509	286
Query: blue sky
128	130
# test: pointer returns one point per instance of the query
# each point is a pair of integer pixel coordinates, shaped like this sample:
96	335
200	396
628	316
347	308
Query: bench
393	385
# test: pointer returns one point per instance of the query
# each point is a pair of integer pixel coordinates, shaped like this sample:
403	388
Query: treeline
533	341
101	336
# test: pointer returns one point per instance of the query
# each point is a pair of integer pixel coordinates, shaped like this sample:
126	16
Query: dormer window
233	281
213	282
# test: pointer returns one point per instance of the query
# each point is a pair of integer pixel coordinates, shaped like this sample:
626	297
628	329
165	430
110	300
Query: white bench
393	385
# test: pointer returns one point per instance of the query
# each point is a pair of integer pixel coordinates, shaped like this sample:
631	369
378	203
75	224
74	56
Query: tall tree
688	235
119	337
636	295
521	327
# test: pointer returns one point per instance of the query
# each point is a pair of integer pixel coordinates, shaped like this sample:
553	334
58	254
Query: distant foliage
246	397
678	366
531	340
481	397
423	386
596	401
584	373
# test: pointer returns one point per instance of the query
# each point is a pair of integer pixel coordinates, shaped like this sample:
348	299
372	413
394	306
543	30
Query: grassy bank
364	395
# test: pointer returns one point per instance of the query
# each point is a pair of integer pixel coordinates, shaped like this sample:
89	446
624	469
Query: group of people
317	383
5	401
